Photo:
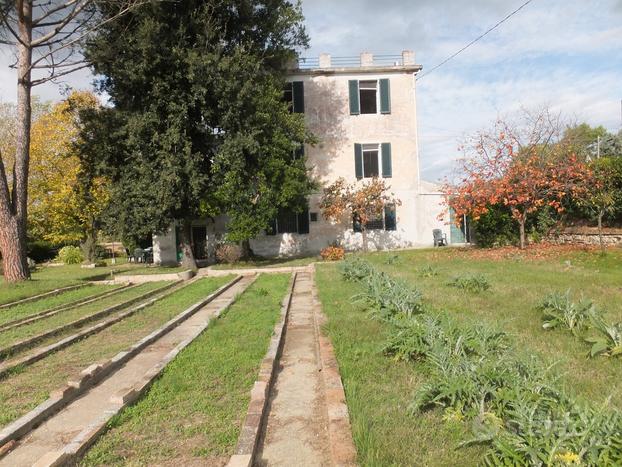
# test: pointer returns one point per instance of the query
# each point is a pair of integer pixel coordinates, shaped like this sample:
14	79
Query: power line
475	40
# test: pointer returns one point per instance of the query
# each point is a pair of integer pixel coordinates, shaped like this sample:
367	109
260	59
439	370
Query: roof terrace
366	60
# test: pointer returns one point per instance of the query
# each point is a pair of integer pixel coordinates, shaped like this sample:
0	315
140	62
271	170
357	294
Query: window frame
382	218
377	97
370	147
274	227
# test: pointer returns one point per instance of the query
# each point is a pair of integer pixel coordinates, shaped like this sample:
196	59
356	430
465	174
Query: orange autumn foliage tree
362	201
63	203
524	168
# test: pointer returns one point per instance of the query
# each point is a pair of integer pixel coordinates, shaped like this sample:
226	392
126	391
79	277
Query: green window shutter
385	97
355	105
358	160
390	219
299	97
387	169
303	222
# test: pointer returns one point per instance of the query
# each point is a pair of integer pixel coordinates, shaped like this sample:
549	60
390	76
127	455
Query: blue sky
563	54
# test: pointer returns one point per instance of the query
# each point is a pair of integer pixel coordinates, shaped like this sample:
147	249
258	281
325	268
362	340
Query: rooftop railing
365	59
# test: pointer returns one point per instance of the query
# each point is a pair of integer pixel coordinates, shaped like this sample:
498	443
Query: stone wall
587	236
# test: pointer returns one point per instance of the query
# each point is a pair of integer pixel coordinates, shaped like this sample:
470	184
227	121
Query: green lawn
64	317
31	308
193	413
47	278
25	389
379	389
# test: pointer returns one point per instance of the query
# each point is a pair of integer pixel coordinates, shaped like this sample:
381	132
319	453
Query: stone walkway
296	430
57	432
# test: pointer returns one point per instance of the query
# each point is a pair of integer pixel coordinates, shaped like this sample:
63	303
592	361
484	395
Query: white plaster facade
328	115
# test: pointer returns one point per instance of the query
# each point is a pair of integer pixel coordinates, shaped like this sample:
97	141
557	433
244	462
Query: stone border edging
8	350
342	448
94	374
43	352
143	278
207	272
54	310
42	295
250	432
85	439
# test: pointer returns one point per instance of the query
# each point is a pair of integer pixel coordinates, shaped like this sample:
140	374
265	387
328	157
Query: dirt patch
539	251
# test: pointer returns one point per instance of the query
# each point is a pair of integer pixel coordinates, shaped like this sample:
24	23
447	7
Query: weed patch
514	404
473	283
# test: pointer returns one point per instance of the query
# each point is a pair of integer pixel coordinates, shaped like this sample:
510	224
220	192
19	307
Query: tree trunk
187	258
13	202
521	225
601	213
365	244
13	250
247	251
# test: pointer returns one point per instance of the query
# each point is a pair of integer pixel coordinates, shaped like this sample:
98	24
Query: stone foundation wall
587	236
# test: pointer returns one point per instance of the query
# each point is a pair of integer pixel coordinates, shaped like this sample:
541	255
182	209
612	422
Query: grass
47	278
26	388
270	262
379	389
192	414
518	287
31	308
64	317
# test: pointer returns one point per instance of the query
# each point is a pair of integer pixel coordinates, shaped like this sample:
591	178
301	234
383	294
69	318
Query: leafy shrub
495	228
391	299
608	342
514	404
428	271
558	310
41	251
355	269
470	282
70	255
333	253
228	253
421	336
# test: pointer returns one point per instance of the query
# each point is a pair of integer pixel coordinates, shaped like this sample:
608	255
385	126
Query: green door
457	234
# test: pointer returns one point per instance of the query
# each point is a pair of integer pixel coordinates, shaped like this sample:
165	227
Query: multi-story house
363	112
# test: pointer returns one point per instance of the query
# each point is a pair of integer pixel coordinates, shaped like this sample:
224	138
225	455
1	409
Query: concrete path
58	431
296	430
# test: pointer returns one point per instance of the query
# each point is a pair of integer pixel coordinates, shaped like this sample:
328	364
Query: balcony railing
365	59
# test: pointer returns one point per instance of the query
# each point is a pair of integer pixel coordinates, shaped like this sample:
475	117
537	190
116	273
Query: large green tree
198	126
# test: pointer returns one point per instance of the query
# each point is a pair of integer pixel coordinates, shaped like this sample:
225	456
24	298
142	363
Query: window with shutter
358	161
299	97
288	95
387	169
353	88
287	221
370	160
385	96
368	92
